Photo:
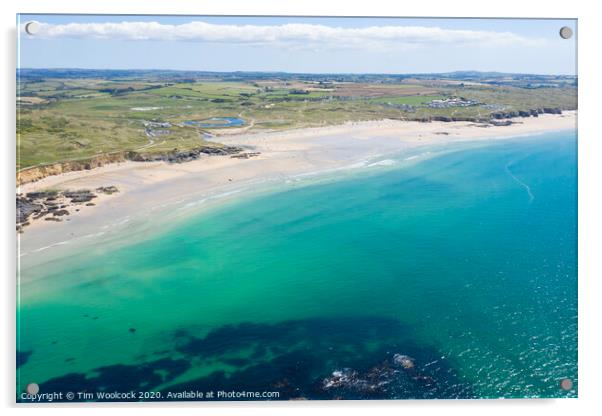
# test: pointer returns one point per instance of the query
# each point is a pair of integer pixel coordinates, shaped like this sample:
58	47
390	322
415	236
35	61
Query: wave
517	180
385	162
209	198
417	156
60	243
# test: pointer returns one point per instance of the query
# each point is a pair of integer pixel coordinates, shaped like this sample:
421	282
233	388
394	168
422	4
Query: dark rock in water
404	361
345	378
377	381
83	195
132	330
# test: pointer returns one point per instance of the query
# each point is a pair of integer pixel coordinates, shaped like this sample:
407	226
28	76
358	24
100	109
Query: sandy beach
145	187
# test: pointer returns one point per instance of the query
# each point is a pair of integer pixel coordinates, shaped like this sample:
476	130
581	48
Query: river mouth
217	122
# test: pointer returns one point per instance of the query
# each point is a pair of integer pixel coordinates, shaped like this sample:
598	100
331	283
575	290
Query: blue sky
314	45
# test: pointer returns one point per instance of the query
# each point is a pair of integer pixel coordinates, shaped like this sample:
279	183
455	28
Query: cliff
35	173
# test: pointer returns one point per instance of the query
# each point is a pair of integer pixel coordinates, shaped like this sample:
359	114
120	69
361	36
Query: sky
297	44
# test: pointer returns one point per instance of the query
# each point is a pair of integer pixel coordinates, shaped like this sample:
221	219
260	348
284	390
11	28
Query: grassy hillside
61	118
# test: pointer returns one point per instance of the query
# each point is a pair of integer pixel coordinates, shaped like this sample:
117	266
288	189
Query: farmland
65	115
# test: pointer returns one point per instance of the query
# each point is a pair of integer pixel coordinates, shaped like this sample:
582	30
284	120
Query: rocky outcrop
52	205
447	119
525	113
180	156
25	208
442	118
499	118
500	122
548	110
108	190
78	197
501	115
404	361
245	155
376	380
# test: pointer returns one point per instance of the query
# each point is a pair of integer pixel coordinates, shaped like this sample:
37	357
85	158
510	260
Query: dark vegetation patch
338	358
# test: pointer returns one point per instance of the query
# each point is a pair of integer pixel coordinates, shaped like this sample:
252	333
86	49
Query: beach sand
145	187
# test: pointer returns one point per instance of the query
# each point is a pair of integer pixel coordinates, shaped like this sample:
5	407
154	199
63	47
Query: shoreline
145	187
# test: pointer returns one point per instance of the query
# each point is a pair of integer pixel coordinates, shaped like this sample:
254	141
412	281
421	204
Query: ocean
460	259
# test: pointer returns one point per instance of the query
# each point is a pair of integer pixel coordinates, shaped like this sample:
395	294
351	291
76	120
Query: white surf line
60	243
521	183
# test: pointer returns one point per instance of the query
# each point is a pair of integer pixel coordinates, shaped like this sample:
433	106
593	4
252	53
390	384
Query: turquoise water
466	262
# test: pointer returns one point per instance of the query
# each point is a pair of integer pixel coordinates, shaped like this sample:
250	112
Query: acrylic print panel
278	208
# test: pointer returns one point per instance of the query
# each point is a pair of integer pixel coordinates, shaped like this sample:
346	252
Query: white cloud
292	34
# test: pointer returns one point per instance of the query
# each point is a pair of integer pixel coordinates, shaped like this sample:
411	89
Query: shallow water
218	122
466	262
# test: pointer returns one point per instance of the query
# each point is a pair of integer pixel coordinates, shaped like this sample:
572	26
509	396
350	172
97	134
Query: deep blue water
465	261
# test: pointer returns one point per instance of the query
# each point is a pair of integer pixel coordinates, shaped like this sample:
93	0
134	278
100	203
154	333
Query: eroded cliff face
35	173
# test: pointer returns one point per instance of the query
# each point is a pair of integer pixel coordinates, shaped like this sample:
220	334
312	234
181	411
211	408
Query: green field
63	119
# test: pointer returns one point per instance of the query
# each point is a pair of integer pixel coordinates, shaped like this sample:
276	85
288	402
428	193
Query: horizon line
295	73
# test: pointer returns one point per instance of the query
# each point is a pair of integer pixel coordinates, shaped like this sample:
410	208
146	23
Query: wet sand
145	187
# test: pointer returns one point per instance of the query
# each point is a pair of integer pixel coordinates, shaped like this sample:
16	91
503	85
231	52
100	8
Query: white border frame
590	202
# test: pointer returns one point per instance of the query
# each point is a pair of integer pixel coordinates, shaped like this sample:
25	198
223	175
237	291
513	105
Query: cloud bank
286	35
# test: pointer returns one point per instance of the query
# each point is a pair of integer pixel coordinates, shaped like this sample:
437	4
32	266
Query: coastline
145	187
